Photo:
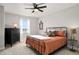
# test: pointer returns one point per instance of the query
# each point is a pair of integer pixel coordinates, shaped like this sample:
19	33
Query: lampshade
73	31
35	10
15	25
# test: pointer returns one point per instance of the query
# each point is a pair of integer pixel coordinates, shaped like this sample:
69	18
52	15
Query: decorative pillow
51	34
60	33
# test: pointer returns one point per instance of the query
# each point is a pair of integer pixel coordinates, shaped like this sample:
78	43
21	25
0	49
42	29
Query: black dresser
12	35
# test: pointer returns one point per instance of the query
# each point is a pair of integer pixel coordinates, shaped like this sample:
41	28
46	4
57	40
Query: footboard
38	45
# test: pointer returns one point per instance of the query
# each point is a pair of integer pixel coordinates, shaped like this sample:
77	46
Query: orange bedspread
46	45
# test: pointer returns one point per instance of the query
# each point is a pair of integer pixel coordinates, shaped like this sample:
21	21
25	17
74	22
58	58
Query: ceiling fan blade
42	7
40	10
29	8
40	3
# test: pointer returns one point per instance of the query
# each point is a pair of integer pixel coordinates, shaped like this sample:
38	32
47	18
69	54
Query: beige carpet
22	49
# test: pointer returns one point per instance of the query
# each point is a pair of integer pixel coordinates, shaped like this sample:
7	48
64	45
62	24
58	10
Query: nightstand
72	44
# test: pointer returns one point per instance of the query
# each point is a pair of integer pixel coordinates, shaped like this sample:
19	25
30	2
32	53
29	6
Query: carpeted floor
22	49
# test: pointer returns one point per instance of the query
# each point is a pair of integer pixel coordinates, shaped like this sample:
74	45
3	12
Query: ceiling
19	8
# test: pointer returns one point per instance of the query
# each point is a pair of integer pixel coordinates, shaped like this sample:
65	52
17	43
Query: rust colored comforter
45	45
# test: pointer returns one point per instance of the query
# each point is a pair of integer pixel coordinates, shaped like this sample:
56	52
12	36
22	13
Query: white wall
68	17
11	19
34	26
2	27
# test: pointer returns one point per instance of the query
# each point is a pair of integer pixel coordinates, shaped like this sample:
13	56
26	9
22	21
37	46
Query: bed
48	44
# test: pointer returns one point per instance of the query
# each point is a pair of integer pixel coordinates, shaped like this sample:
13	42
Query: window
25	25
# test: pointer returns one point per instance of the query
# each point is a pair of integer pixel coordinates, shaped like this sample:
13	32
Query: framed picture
41	25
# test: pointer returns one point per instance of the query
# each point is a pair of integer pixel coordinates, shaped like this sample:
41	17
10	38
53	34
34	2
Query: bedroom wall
11	19
2	27
67	17
34	26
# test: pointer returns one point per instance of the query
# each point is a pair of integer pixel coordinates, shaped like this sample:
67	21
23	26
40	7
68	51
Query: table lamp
73	33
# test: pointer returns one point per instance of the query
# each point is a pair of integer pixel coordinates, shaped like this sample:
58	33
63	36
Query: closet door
2	44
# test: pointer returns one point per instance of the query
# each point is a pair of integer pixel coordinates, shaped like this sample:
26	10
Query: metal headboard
57	29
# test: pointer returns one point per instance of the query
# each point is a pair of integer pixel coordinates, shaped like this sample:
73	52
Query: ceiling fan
37	6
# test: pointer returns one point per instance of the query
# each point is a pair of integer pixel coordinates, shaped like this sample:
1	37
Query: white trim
2	48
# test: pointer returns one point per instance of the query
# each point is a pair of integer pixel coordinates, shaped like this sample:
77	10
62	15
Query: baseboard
2	48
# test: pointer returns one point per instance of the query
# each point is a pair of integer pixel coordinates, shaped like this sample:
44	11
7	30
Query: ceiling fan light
35	10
